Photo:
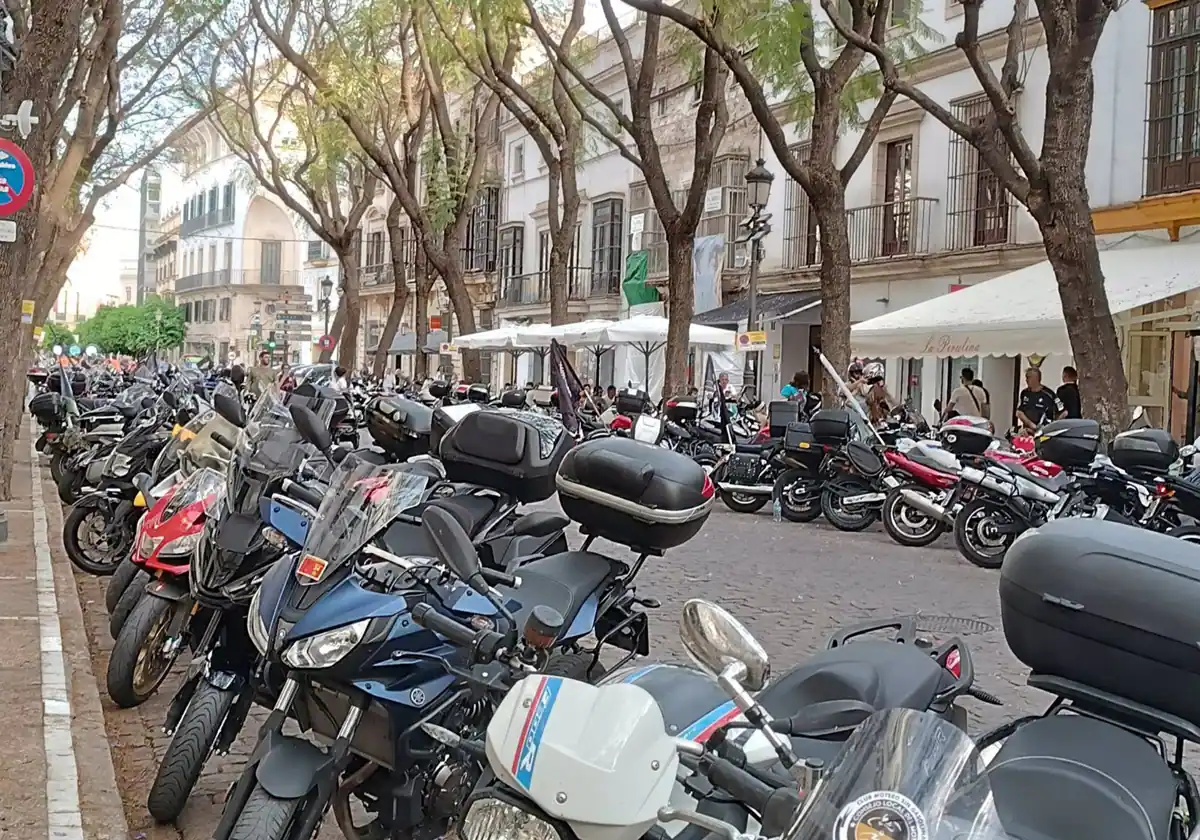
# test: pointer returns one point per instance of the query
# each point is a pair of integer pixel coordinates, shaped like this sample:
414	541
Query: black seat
89	403
562	581
1116	784
539	523
1021	470
425	468
751	448
408	539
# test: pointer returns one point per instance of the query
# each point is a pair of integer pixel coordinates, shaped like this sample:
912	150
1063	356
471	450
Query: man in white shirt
968	398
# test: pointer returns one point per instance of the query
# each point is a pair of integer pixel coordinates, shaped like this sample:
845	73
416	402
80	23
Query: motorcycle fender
291	768
169	589
40	446
224	680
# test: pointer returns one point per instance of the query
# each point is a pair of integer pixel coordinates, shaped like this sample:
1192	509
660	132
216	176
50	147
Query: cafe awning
770	308
1020	313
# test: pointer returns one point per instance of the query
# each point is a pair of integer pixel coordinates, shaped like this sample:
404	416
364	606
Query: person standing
797	389
262	375
1036	404
968	398
1068	393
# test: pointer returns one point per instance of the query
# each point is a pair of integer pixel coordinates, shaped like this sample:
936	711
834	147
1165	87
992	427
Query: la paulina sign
16	178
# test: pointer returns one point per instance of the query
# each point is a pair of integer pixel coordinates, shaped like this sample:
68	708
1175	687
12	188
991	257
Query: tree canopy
156	324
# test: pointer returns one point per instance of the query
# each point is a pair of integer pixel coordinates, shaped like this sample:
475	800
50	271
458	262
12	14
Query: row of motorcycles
439	649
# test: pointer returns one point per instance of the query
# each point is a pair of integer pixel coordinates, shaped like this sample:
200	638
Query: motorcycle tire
894	508
965	525
743	504
189	749
832	494
58	463
118	583
129	599
791	511
69	486
73	545
266	817
1187	533
143	630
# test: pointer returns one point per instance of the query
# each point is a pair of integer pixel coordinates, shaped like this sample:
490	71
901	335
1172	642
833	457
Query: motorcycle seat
1117	784
562	581
88	404
1021	470
755	448
933	458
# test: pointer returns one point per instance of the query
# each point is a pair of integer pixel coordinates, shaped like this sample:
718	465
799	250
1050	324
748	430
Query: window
980	210
1173	135
209	311
213	205
484	322
645	231
228	257
485	221
516	169
374	256
212	257
226	309
801	236
317	250
128	294
725	207
200	205
270	263
899	13
608	219
897	190
511	261
227	204
660	102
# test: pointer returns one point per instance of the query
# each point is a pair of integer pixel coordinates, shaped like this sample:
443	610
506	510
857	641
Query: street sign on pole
326	342
16	178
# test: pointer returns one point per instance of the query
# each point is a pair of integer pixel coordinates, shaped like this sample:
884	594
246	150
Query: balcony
241	277
213	218
876	231
604	283
534	288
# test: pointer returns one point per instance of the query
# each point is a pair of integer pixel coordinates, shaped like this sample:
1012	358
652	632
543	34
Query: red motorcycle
147	619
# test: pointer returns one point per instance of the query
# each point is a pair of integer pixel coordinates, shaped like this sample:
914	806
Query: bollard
3	526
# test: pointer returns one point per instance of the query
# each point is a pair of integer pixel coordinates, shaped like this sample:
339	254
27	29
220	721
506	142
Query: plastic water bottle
777	510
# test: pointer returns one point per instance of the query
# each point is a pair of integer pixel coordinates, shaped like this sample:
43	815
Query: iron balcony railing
534	288
204	221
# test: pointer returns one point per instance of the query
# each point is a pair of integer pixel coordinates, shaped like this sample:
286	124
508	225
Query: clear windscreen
903	775
363	499
133	395
200	485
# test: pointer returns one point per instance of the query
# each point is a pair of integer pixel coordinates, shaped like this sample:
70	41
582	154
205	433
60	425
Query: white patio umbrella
501	338
590	334
648	333
534	336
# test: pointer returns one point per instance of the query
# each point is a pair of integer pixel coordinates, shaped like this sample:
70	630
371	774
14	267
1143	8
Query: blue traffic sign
16	178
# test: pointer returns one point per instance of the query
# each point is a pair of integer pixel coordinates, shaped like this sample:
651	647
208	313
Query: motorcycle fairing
287	517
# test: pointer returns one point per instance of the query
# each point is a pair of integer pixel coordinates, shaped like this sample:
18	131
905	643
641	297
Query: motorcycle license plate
891	482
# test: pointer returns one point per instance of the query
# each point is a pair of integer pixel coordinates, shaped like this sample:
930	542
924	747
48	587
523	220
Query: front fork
289	768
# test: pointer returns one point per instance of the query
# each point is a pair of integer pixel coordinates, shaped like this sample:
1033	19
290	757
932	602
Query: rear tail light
954	663
1162	490
708	489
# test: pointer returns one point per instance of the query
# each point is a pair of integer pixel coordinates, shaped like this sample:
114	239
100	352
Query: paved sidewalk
56	775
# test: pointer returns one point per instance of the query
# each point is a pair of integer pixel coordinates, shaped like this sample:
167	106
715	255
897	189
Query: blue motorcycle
345	656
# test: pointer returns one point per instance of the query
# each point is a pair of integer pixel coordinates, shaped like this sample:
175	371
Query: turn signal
139	500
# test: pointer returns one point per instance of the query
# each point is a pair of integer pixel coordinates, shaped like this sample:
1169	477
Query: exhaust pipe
924	504
748	489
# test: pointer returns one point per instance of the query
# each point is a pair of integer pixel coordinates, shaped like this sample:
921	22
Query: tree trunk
681	304
464	313
424	283
560	281
336	327
399	292
830	207
350	307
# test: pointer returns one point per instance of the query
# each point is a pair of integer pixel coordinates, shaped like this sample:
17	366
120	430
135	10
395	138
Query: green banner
634	286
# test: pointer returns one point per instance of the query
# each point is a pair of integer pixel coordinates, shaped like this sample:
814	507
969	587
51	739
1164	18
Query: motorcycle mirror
310	427
237	375
170	400
1136	416
1187	451
229	406
454	547
715	640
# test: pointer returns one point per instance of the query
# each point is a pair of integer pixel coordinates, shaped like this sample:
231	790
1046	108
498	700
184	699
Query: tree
294	147
53	334
359	45
1052	183
552	122
643	149
104	81
826	88
152	326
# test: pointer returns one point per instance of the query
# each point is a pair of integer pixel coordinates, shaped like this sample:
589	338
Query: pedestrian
339	379
968	398
611	393
1036	403
797	389
1068	393
262	375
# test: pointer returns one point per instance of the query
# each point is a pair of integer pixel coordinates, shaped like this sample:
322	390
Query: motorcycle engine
453	778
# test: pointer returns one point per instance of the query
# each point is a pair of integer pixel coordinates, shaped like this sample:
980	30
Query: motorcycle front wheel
144	652
905	524
86	542
798	494
981	532
856	518
189	749
266	817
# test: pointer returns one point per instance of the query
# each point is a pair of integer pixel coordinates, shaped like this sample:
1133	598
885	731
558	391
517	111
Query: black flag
567	383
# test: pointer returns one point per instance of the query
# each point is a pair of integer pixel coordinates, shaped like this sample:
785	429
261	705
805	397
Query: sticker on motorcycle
525	756
881	815
311	567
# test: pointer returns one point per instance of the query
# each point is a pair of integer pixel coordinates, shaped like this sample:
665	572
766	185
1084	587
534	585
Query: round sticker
881	815
16	178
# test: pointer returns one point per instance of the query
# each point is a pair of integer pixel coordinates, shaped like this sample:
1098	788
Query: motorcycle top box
781	413
399	426
681	411
831	425
45	407
1109	606
444	419
1144	450
515	452
634	494
631	401
1072	444
962	436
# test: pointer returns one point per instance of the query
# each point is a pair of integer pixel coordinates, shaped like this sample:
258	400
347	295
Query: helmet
855	369
873	371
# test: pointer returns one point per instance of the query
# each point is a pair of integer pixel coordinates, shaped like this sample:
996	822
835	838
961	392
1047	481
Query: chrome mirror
716	640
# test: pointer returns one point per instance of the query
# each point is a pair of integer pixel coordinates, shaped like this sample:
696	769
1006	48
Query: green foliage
56	334
134	330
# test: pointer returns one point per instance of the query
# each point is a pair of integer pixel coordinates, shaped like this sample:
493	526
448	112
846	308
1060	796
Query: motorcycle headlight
183	545
492	819
325	649
255	626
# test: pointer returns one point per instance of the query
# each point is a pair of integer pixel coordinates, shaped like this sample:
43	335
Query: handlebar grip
303	493
780	811
224	441
502	578
443	625
740	784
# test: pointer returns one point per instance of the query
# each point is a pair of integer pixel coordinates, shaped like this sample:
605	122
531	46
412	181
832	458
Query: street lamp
326	291
758	193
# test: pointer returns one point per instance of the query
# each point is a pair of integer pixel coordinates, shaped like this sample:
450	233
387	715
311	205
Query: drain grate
951	624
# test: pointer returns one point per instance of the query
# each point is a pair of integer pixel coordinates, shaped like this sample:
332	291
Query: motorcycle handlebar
443	625
303	493
738	783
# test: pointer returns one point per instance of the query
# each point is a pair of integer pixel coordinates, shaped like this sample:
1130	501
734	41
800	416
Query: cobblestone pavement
791	584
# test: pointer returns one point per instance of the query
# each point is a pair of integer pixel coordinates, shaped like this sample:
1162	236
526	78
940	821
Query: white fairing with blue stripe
596	757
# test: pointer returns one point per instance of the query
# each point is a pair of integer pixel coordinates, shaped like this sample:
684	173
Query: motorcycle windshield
199	486
269	449
132	396
363	499
903	775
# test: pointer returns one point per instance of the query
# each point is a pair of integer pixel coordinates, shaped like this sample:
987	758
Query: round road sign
326	342
74	350
16	178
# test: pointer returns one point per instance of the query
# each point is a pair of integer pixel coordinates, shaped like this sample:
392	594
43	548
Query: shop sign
950	345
